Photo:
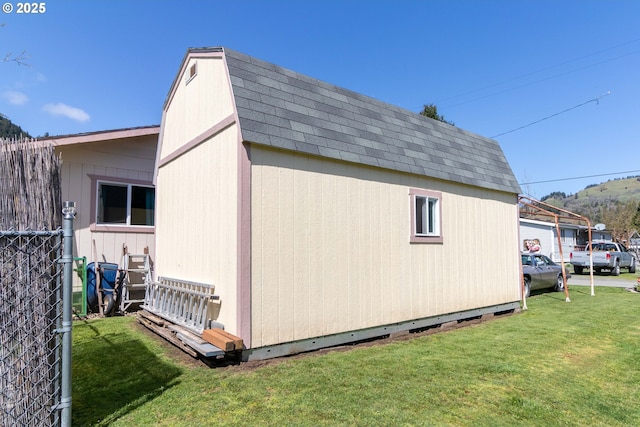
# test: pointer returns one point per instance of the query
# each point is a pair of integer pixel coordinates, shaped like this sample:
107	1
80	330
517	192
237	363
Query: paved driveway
583	280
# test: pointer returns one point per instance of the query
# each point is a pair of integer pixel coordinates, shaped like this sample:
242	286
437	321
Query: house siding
547	235
330	248
130	159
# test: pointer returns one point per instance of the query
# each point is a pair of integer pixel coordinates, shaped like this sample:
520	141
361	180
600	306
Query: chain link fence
30	325
35	287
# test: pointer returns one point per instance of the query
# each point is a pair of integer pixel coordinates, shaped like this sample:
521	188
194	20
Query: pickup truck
606	256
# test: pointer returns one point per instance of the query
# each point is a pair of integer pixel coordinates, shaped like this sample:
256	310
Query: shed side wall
331	251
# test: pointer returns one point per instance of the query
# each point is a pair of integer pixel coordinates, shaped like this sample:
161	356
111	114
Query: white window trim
436	236
111	227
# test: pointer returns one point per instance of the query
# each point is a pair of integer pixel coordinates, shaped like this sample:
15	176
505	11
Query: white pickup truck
606	256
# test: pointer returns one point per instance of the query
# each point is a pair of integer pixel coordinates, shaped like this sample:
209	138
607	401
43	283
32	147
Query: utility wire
538	72
510	89
577	177
596	100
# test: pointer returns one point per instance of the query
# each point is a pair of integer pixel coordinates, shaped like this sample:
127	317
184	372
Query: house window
125	204
426	216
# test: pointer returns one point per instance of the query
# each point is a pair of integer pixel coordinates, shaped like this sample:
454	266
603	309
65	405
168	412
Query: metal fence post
69	213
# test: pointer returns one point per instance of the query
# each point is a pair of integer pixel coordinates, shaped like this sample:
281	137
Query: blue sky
491	66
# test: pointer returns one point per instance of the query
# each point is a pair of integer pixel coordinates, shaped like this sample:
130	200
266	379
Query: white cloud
65	110
15	98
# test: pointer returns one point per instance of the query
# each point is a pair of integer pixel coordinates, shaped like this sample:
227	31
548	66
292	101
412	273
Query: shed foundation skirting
294	347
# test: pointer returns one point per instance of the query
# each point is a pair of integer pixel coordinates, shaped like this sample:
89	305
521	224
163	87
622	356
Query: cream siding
124	159
197	201
197	213
197	105
330	248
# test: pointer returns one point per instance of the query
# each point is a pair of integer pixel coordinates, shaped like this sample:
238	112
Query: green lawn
556	364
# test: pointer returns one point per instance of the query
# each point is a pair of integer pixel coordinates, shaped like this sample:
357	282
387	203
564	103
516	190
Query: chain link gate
31	328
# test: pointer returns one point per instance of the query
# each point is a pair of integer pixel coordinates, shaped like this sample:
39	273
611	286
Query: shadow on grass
548	292
114	373
552	294
583	290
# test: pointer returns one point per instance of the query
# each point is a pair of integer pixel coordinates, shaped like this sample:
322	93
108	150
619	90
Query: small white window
427	216
426	211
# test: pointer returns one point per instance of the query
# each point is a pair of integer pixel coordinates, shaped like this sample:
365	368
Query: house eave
107	135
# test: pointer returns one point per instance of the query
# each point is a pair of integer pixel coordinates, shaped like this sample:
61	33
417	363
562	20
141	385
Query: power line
577	177
510	89
538	72
596	100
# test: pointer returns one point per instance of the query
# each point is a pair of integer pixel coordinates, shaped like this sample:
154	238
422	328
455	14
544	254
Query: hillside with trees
615	203
10	130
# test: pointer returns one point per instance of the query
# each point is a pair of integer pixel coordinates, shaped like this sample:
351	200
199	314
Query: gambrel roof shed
284	109
322	216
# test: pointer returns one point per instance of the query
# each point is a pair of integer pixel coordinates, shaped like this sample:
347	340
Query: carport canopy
535	209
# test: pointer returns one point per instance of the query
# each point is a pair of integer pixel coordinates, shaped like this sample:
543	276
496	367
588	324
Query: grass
556	364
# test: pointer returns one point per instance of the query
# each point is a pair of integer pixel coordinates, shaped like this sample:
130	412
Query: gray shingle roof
288	110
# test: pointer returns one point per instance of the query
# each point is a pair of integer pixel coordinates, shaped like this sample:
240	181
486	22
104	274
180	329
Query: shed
323	216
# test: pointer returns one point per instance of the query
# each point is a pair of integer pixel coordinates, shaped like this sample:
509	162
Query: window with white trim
426	216
125	204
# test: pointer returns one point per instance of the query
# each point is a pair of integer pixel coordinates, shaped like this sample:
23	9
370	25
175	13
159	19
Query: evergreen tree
431	110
